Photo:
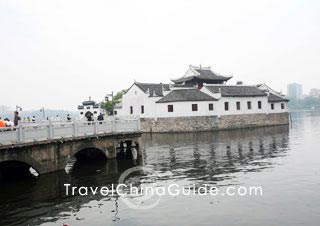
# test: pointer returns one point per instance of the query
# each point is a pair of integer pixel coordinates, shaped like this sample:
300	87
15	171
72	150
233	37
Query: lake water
283	160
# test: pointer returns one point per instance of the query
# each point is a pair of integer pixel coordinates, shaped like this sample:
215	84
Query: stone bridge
52	149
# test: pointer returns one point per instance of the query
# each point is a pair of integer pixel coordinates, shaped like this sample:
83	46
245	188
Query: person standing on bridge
16	118
100	118
2	123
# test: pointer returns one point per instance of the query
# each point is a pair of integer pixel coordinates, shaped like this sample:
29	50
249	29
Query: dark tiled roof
186	95
204	74
275	98
88	102
155	89
237	91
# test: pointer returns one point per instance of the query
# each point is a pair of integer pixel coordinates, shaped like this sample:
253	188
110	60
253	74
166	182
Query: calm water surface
283	160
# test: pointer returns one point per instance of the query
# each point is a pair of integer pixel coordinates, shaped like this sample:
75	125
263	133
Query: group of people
28	119
8	123
16	118
90	117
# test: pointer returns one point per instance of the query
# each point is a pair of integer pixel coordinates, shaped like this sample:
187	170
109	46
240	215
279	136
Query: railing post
20	132
95	127
75	128
50	129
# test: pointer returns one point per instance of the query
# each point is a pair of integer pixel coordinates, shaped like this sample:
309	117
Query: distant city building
4	109
314	93
89	107
295	91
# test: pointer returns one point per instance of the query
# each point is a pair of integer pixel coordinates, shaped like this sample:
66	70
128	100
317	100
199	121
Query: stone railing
54	130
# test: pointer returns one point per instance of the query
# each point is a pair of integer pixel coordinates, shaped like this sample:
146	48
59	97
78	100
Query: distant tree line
308	102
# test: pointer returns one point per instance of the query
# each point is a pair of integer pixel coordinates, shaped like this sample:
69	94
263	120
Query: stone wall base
209	123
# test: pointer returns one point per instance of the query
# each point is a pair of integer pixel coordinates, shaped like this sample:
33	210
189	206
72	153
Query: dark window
210	107
142	109
282	105
194	107
170	108
131	110
272	106
226	106
95	112
115	112
259	104
81	113
238	105
249	105
88	107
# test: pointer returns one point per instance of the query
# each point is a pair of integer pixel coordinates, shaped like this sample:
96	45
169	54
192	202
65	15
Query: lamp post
43	113
18	108
112	102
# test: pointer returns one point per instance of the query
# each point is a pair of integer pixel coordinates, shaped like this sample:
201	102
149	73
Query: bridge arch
27	159
89	151
17	169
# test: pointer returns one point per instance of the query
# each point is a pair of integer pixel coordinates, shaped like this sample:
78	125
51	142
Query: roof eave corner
193	70
229	77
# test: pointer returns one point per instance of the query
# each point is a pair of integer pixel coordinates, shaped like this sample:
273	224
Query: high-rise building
314	92
294	91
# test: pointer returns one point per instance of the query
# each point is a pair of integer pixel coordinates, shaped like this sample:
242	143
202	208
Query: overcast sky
57	53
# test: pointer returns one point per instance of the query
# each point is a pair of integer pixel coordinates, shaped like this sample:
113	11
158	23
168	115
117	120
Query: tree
311	102
306	103
107	105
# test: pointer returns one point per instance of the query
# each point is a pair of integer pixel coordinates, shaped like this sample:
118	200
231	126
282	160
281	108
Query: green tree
107	105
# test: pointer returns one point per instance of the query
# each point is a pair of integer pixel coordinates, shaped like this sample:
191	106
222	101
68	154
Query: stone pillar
139	145
128	148
121	154
111	151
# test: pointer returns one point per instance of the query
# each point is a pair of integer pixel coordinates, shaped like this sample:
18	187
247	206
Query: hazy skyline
57	53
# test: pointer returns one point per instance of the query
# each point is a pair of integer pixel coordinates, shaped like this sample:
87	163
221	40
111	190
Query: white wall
135	97
277	107
265	108
184	109
243	105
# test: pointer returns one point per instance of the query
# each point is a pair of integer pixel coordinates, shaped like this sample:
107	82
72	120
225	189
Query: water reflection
216	156
209	157
32	202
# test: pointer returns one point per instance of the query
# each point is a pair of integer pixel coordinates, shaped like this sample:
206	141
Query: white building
89	108
200	92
